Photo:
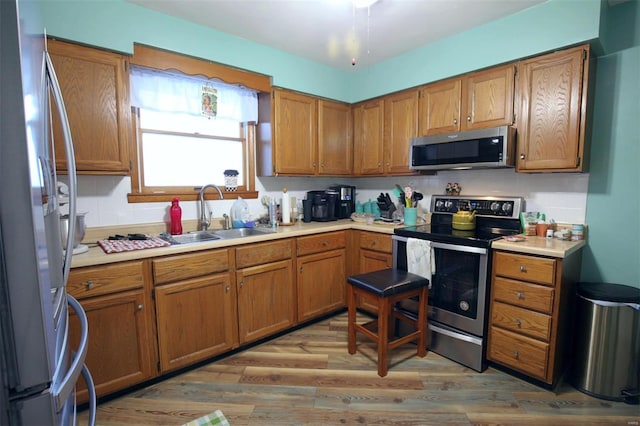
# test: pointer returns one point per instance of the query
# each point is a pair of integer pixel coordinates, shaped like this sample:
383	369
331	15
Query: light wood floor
307	378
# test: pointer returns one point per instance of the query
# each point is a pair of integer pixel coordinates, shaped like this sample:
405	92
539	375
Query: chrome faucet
204	222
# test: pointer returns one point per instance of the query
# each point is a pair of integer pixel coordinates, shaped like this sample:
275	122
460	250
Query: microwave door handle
68	384
71	163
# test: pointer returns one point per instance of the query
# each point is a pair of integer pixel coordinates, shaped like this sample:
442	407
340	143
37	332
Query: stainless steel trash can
607	359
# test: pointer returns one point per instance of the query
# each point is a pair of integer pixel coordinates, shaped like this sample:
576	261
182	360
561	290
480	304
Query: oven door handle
444	246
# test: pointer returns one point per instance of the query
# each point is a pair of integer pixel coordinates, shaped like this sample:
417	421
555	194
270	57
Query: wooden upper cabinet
335	147
400	125
295	133
95	89
439	107
551	121
488	97
475	101
368	137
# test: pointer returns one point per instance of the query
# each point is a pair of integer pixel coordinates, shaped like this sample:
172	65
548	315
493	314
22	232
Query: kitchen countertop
96	256
552	247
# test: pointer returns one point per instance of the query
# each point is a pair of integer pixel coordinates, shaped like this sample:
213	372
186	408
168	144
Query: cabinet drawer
521	320
320	243
181	267
527	268
375	241
257	254
523	294
519	352
105	279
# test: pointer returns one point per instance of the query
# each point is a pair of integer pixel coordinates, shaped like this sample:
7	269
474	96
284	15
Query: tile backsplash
561	196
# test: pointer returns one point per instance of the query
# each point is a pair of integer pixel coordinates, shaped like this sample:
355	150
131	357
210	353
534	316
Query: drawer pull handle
516	354
324	243
89	285
140	306
518	323
520	294
523	268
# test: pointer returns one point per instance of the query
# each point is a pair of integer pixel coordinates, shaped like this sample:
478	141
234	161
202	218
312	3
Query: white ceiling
333	32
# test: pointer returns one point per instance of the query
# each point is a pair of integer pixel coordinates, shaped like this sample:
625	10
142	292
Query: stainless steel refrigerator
38	366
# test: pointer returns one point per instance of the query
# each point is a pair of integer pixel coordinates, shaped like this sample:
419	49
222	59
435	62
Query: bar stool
384	289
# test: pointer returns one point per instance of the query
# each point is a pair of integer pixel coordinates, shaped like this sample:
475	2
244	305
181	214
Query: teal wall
116	25
613	201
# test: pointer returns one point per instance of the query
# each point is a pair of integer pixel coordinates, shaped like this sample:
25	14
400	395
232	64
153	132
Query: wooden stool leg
422	322
351	321
383	336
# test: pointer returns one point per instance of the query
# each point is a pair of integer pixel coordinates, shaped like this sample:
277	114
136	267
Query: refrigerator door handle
71	163
92	395
64	388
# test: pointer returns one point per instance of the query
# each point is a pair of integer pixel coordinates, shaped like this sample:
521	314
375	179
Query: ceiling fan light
361	4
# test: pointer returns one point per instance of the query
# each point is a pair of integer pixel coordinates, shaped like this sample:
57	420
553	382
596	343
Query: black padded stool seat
384	289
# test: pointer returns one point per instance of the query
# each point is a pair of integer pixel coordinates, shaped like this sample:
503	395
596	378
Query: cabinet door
370	261
121	345
321	283
295	132
488	98
95	88
439	107
196	320
400	125
335	147
553	96
266	300
368	136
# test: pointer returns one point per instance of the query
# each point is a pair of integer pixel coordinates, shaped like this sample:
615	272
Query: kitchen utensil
464	220
64	229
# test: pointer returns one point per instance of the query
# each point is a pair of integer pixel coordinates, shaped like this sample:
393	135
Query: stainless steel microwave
484	148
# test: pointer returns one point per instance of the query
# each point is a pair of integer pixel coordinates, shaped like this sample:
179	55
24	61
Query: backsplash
561	196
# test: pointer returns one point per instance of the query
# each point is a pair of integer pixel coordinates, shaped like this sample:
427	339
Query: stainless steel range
459	293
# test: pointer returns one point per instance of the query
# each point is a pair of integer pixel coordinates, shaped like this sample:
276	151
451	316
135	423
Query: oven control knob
464	305
448	204
495	206
507	207
439	204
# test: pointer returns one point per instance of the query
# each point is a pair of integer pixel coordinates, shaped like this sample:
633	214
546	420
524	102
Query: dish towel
420	258
118	246
215	418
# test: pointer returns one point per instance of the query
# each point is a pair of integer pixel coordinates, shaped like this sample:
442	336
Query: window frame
164	61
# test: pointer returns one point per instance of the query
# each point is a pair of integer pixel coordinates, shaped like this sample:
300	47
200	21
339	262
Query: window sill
167	196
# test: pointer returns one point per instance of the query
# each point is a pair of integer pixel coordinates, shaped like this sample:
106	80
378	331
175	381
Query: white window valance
179	93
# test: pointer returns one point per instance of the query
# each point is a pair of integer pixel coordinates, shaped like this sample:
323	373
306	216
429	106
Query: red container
175	212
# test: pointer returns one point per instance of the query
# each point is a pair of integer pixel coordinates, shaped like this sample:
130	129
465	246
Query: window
188	131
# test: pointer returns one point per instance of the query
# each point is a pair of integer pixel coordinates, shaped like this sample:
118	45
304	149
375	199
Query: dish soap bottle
239	213
175	212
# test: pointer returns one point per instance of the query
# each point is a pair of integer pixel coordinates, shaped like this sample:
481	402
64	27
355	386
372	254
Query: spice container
577	232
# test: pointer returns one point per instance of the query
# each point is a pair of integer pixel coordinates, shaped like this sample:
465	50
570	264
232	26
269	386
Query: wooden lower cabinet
374	254
530	320
266	289
321	274
122	350
195	307
196	320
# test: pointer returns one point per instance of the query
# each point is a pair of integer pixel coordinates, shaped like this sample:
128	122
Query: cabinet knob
301	269
518	323
523	268
522	156
140	306
516	354
227	288
455	121
373	243
520	294
89	285
324	243
242	283
468	118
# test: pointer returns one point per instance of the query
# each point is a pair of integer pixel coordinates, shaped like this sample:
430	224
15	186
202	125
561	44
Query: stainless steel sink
191	237
241	232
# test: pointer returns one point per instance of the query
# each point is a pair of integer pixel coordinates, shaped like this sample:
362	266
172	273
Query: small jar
577	232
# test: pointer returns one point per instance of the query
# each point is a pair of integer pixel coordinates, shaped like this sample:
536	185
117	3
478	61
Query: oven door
458	291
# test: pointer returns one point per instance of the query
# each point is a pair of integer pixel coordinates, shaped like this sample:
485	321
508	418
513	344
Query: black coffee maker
346	203
323	205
